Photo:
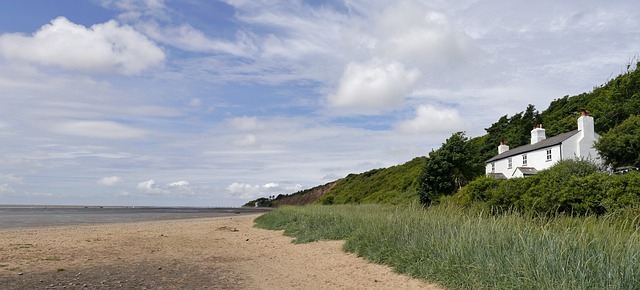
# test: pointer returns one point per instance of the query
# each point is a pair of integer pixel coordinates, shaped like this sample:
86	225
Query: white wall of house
536	159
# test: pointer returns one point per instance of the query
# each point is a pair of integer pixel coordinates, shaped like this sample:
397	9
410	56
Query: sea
26	216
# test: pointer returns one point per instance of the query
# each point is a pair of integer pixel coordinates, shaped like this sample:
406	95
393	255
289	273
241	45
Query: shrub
571	186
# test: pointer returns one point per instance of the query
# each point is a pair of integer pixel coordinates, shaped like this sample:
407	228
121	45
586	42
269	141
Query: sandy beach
207	253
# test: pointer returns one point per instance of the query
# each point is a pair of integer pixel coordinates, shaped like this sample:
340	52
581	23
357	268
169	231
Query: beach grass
460	248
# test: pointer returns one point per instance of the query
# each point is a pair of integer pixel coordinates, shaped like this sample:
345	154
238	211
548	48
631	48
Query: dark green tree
621	145
515	130
448	169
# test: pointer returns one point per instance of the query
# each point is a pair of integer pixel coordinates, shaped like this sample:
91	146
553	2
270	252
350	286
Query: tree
514	130
621	145
448	169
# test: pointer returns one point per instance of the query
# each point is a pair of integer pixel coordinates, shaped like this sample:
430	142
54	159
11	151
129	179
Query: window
493	167
524	159
548	154
510	162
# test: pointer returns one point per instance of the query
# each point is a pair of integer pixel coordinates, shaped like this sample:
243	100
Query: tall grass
465	249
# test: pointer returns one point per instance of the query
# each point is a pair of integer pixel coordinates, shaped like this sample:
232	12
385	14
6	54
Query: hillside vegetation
394	185
615	107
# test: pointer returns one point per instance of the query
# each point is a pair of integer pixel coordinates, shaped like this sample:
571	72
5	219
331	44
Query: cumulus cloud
151	187
374	85
99	129
181	183
106	47
110	180
249	191
429	119
243	188
410	32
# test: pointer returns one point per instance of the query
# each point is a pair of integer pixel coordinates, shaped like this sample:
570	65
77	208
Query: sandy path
214	253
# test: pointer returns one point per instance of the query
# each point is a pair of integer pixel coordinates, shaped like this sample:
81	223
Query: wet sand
206	253
24	216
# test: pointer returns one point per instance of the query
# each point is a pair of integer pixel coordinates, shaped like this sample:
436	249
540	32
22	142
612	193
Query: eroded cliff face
304	197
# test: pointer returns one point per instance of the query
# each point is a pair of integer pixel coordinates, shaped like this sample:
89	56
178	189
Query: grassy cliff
394	185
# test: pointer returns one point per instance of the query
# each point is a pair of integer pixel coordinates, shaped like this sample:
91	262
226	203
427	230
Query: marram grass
462	249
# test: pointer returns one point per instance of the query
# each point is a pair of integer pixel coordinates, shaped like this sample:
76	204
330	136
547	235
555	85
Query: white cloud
181	183
429	119
135	9
186	37
271	185
374	85
408	31
106	47
99	129
110	180
241	187
151	187
248	191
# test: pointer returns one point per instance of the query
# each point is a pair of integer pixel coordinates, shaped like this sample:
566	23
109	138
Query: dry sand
213	253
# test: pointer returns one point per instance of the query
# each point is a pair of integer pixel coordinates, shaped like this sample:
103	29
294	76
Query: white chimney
503	147
537	134
587	136
585	124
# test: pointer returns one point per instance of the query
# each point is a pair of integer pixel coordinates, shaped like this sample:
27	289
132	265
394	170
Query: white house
544	152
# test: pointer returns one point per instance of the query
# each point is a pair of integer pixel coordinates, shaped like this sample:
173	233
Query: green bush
572	187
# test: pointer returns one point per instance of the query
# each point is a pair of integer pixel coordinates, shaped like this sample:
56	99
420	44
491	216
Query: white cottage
544	152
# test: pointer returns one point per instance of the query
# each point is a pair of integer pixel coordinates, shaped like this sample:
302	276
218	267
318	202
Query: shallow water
38	216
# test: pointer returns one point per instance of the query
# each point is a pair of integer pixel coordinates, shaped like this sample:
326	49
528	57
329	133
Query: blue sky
214	103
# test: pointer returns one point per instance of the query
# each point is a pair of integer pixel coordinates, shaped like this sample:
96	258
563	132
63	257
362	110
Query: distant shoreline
29	216
119	206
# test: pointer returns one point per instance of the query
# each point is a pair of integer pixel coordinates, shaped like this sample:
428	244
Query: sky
214	103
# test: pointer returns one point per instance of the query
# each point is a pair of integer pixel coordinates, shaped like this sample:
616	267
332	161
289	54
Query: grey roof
527	170
555	140
497	175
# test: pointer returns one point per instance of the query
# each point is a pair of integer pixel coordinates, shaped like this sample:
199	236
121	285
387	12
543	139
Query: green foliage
448	169
621	145
260	202
463	249
514	130
393	185
572	186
